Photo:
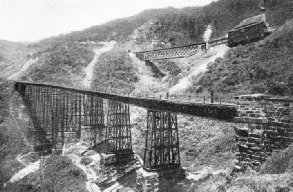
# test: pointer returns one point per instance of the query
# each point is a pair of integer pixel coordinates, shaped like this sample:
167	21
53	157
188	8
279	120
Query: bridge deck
218	111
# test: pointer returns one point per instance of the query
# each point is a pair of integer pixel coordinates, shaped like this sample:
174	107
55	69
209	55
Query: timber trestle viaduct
262	123
55	110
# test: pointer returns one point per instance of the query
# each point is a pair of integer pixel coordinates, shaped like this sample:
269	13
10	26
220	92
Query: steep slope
265	67
89	70
25	67
13	132
188	23
203	142
114	71
13	56
60	64
197	65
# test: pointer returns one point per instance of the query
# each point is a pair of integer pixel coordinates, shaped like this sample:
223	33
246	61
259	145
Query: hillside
60	64
264	67
114	70
12	56
206	145
189	22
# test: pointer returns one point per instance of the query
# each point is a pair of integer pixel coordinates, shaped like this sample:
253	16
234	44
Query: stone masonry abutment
263	125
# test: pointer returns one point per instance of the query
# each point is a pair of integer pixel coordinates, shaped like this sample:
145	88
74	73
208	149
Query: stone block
243	132
258	120
243	139
250	144
255	135
256	158
255	163
255	140
255	149
146	181
280	130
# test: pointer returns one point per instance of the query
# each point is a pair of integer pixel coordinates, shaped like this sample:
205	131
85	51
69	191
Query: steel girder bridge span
180	51
59	112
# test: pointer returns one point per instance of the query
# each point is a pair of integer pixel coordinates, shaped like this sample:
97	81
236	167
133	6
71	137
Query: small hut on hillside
250	30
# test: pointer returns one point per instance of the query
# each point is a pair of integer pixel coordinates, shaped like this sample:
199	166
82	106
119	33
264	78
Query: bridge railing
218	42
206	98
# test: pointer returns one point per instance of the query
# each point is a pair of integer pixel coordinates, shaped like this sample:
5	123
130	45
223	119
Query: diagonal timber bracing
118	133
162	142
55	111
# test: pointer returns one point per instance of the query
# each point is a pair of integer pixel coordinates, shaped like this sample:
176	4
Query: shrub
114	70
86	160
279	162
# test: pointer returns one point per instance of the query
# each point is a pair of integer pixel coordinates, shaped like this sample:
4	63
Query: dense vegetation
264	67
62	63
5	94
114	70
279	162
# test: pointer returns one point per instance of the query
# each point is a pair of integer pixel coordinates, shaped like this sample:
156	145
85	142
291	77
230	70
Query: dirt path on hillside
89	70
202	61
27	64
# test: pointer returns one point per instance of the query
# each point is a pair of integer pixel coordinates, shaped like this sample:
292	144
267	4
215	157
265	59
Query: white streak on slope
89	70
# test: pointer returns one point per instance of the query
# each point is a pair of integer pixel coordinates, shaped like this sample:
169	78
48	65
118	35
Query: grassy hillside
61	59
12	56
5	94
62	63
264	67
190	22
10	51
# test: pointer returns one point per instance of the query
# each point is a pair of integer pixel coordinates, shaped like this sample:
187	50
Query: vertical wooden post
79	117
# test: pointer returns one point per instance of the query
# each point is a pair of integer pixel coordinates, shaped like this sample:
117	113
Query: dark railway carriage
250	30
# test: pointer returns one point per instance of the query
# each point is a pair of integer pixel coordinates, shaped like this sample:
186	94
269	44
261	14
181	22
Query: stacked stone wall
263	126
279	134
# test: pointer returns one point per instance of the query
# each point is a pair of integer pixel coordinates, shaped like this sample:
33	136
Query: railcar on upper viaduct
249	30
